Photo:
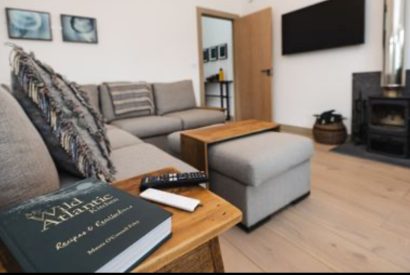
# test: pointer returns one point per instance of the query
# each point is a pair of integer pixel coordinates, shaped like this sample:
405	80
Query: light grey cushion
92	92
255	159
72	130
259	202
120	138
107	107
160	142
174	97
136	160
27	169
196	118
149	126
144	158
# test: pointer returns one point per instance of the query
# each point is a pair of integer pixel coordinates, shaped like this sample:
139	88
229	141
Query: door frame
219	15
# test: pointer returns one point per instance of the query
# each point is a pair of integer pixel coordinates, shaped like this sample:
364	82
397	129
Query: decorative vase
330	134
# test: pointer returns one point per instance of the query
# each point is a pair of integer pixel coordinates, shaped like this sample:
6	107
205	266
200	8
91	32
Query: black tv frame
286	50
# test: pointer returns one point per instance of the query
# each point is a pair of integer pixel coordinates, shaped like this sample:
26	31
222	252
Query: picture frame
28	24
206	55
213	53
223	51
79	29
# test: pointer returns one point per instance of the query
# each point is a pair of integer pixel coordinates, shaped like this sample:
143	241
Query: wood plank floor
356	220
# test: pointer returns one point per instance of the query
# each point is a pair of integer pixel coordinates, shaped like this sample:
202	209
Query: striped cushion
131	97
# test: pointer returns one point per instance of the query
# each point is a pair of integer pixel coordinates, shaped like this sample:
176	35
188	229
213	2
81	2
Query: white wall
156	40
308	83
216	32
152	40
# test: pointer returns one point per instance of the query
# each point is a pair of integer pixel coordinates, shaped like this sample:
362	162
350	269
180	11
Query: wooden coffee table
194	246
195	143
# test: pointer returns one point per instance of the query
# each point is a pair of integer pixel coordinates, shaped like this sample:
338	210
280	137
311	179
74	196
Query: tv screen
329	24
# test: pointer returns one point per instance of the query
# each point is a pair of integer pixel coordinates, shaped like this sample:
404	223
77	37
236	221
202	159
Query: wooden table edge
170	256
166	259
191	133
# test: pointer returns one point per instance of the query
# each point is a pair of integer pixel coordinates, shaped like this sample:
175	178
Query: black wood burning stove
388	126
381	109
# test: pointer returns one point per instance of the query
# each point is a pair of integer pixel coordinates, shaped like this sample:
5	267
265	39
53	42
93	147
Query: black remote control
173	180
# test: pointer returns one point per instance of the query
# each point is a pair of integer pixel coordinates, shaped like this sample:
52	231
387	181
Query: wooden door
253	36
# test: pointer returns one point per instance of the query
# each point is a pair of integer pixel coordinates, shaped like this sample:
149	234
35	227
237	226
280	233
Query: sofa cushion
73	131
255	159
196	118
144	158
67	179
92	92
174	97
120	138
149	126
27	169
107	106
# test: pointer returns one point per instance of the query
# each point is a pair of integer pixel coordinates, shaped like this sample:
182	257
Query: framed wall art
28	24
206	55
213	53
223	52
79	29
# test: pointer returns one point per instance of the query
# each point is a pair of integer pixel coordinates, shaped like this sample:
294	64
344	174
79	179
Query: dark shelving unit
224	95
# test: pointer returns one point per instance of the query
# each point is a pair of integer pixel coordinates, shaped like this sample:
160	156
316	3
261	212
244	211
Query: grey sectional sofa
175	107
139	143
259	174
131	153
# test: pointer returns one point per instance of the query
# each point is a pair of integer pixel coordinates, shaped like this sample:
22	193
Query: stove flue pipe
394	69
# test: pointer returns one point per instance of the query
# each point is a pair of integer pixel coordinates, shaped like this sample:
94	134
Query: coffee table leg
195	153
216	256
206	258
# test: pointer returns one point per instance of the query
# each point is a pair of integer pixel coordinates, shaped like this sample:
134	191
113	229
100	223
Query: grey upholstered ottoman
260	174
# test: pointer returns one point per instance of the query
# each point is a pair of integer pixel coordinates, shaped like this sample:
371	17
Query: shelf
224	97
219	82
218	96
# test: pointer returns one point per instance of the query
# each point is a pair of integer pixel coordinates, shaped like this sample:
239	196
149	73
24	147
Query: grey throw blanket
71	128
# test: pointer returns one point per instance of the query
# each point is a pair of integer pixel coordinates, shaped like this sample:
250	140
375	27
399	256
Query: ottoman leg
267	219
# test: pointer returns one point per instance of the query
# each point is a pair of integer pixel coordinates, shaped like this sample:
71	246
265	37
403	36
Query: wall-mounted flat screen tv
328	24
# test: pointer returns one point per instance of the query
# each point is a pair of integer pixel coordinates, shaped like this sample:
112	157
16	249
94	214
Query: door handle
268	72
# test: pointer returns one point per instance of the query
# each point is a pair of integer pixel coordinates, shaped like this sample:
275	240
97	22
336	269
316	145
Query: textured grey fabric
174	141
107	108
120	138
129	98
255	159
26	167
160	142
92	92
259	202
149	126
196	118
67	179
72	130
174	97
135	160
144	158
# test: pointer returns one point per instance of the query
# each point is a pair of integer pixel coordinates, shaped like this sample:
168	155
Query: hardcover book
86	227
